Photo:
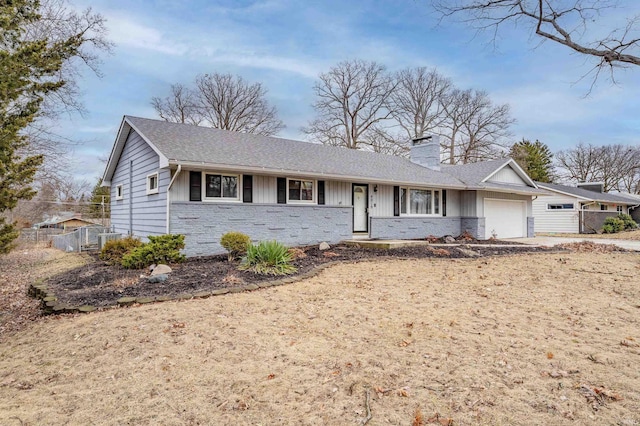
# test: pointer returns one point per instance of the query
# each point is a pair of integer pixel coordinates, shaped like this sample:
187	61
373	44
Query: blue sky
285	44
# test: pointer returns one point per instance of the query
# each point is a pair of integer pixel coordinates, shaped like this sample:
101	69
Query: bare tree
230	103
475	128
417	101
564	22
351	102
616	166
60	21
221	101
179	107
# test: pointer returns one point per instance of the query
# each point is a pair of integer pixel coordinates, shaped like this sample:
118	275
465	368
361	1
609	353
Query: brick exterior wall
413	227
473	225
204	223
531	227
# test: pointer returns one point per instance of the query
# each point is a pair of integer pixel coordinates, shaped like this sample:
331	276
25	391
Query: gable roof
478	175
204	147
585	194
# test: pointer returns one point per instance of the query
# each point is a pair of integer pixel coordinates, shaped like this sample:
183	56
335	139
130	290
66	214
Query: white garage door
505	218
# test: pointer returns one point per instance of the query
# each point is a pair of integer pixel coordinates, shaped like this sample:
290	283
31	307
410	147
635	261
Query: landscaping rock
158	278
152	267
449	239
160	270
324	246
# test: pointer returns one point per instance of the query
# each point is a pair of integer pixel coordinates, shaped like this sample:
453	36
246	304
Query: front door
360	213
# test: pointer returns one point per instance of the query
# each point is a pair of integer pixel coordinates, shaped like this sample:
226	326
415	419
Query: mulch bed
100	285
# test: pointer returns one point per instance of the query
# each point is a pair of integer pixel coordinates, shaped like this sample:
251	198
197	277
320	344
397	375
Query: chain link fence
82	239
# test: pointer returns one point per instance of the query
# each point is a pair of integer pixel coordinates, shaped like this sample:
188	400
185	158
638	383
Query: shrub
629	223
235	243
159	249
268	258
612	225
114	250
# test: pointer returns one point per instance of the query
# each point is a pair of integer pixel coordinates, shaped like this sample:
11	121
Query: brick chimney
592	186
425	151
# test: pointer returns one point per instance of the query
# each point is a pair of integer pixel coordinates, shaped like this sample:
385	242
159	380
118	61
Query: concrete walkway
552	241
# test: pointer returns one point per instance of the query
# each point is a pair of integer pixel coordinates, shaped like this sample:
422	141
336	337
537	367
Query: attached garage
505	218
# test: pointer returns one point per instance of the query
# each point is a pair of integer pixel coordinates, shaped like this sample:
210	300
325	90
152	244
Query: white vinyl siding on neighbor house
556	220
137	211
507	175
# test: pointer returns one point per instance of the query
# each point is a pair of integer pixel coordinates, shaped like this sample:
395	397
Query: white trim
514	165
560	209
433	204
164	161
221	199
150	190
120	189
308	175
175	176
314	191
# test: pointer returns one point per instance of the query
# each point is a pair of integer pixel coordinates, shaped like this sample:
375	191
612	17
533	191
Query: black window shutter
444	202
321	192
247	189
396	201
282	191
195	186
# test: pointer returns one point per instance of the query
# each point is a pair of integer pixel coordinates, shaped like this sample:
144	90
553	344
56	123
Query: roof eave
301	173
514	164
118	147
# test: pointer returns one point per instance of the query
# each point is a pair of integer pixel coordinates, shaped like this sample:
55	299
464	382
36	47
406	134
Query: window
119	192
567	206
420	201
221	186
604	207
619	209
301	190
152	183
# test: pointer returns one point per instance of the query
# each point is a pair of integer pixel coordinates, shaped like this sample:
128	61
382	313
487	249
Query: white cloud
131	34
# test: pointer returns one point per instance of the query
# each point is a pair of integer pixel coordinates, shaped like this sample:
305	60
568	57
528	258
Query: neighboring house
581	209
635	211
67	222
204	182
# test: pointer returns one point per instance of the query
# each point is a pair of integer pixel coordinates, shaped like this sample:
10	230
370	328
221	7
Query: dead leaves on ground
598	396
419	420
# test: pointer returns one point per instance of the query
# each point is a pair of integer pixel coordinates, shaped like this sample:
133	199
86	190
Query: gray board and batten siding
136	212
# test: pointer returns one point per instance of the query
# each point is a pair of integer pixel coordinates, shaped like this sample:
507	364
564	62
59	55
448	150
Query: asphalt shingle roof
475	173
202	145
589	195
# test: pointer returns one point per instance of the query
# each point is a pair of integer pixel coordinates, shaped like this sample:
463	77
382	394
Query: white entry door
360	215
505	218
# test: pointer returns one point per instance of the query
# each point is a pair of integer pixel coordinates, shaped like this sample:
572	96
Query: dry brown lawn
540	339
627	235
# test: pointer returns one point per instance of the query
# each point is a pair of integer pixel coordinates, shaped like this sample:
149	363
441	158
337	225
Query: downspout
173	179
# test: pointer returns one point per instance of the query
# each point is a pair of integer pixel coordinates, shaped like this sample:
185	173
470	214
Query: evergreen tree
535	159
100	195
28	70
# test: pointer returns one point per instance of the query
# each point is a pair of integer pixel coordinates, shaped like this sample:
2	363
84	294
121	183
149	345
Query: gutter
314	175
173	179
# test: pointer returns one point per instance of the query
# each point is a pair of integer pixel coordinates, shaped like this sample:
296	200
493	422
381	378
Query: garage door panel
505	218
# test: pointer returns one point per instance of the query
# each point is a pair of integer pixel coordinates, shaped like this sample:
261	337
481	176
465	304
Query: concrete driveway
552	241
